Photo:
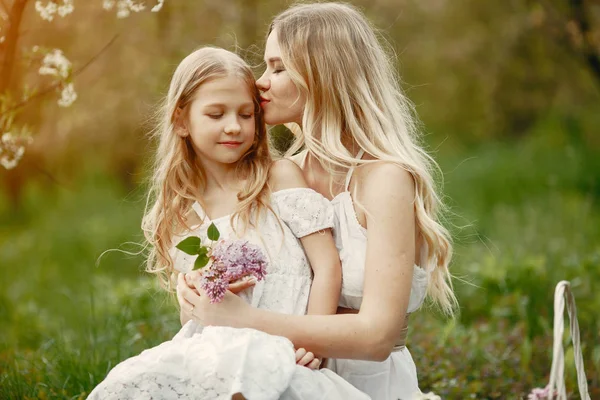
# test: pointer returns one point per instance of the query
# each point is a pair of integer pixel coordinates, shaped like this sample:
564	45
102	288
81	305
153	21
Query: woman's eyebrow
273	60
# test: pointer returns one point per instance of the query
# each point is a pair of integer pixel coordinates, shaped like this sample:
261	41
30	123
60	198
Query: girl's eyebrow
223	105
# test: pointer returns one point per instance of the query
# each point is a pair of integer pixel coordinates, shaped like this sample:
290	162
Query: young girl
328	76
213	166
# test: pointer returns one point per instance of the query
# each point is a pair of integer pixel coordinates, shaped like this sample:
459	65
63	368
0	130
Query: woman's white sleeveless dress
396	377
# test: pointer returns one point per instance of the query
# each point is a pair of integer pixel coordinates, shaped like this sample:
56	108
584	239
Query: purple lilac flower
539	393
240	258
232	260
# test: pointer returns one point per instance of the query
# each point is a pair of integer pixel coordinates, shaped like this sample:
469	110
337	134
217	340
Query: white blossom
108	4
158	6
49	10
66	9
55	64
67	96
124	7
46	12
10	151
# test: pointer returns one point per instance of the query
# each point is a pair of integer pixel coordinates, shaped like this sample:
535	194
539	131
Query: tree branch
56	85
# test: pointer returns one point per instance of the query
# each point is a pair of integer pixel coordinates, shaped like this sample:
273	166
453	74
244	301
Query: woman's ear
180	124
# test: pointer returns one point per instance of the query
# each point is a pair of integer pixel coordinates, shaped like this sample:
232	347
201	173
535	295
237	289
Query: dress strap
303	159
351	170
198	209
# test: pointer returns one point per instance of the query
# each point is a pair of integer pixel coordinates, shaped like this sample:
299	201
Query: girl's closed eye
246	116
215	116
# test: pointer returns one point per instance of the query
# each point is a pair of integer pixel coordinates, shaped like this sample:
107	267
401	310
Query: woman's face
280	99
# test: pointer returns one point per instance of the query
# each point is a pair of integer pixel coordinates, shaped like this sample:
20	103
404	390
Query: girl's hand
197	304
185	307
307	359
235	287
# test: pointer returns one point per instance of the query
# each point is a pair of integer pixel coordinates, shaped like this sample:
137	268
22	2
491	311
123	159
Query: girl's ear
180	126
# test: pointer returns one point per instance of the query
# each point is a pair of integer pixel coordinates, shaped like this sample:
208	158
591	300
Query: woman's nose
263	83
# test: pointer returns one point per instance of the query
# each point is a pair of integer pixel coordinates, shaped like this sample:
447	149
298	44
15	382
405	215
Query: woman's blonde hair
178	178
335	59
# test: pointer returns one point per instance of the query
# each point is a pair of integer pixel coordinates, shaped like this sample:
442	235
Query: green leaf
201	261
190	245
213	233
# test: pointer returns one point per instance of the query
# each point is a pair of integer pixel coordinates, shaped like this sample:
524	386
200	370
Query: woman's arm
387	196
319	247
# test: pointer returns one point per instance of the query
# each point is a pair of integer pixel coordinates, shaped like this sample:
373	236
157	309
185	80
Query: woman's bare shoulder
383	177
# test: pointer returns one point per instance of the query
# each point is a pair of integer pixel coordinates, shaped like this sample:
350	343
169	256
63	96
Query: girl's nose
233	127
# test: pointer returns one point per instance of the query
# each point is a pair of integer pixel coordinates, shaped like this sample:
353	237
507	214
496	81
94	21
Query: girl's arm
319	247
387	196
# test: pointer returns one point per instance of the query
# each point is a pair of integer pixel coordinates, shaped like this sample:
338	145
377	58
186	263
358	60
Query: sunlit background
509	98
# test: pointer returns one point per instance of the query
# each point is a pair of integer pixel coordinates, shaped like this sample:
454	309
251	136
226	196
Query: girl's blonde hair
178	178
335	59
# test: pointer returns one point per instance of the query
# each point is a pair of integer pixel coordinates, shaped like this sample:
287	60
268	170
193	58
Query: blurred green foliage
522	222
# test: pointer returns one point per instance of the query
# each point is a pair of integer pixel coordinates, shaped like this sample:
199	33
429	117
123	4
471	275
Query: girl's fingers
191	276
314	364
181	286
300	353
188	293
308	357
242	284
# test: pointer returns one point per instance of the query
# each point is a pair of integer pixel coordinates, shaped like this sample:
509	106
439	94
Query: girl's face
280	99
221	120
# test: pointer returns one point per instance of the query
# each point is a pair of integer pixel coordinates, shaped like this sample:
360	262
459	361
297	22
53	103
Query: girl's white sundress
396	377
218	362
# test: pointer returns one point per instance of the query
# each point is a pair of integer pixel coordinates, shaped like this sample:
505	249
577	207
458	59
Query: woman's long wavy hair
353	93
178	178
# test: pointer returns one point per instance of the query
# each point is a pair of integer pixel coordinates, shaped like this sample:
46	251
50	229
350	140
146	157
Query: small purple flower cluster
540	394
232	260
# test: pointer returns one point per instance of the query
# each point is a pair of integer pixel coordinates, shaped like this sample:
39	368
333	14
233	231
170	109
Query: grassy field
525	216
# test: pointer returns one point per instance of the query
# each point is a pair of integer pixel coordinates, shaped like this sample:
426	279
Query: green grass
526	215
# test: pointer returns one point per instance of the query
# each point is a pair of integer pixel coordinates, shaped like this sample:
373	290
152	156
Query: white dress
396	377
217	362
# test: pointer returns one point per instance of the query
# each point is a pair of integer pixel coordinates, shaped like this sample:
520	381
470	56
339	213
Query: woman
330	79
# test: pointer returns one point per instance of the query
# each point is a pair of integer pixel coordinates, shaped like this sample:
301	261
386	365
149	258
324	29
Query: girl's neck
221	177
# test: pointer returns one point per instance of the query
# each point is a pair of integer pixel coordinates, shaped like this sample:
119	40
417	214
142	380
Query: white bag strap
557	373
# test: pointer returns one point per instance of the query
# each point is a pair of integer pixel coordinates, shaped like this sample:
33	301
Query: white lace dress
217	362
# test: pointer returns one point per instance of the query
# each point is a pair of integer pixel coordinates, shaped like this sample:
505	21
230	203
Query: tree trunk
589	52
9	47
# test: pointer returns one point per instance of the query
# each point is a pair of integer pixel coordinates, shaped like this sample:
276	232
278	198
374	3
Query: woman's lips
263	102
